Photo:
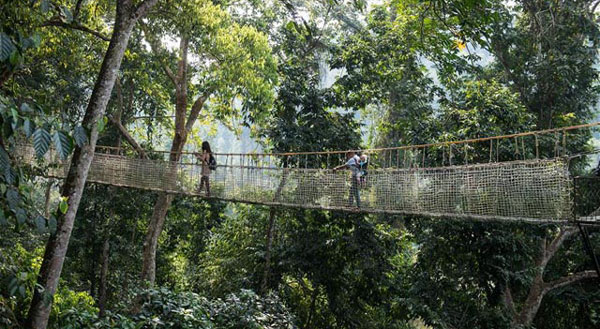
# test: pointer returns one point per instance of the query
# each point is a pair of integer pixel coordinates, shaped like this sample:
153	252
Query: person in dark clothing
206	159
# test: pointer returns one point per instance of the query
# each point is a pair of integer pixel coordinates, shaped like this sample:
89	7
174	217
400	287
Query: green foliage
394	90
6	47
69	308
162	309
408	72
18	273
16	187
305	117
345	267
235	67
234	252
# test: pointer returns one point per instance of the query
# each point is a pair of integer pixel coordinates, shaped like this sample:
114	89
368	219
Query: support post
588	247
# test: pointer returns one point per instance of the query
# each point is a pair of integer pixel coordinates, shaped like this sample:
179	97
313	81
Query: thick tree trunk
56	247
539	288
532	303
154	229
103	276
182	129
267	272
164	200
270	228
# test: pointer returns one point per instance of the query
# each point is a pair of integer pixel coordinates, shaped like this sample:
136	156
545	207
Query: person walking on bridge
353	164
207	160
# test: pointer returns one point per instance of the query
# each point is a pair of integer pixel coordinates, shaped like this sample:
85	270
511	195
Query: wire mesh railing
515	177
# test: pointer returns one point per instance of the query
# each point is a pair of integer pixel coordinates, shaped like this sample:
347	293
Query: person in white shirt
353	164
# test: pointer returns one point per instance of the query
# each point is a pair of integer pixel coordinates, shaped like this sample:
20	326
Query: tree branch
75	26
594	6
128	137
196	108
508	300
143	8
562	236
77	9
567	280
157	50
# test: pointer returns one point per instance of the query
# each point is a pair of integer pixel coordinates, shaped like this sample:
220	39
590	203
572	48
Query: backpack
212	163
363	166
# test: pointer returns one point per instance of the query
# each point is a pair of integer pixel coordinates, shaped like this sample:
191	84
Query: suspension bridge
523	177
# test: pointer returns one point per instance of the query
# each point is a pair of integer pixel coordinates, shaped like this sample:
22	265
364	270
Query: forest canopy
173	80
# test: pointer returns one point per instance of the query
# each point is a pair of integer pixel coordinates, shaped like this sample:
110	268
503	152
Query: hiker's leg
351	196
356	192
207	186
201	184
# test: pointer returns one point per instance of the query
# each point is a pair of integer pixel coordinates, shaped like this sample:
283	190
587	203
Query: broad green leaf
102	124
13	286
13	198
63	205
4	159
14	58
41	141
15	114
6	47
25	108
21	216
63	144
80	135
40	224
10	175
37	40
28	127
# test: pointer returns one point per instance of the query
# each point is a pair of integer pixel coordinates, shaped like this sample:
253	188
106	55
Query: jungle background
286	76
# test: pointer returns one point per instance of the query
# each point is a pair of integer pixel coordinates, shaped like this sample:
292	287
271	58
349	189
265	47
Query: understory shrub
163	308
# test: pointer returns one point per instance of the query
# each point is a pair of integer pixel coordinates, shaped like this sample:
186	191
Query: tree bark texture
182	129
270	228
539	288
56	247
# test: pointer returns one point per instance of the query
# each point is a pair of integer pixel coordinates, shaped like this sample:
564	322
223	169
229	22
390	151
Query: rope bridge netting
496	178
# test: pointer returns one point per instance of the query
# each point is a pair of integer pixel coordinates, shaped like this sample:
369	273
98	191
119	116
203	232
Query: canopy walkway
513	177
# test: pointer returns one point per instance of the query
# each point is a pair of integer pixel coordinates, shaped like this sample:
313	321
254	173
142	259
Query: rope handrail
395	148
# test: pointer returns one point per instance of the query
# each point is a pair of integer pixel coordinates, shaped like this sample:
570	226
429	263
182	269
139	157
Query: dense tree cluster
294	75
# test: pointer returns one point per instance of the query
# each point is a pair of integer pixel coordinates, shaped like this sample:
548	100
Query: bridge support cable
491	178
587	245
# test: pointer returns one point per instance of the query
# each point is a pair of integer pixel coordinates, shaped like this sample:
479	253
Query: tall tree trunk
56	247
532	303
154	229
270	228
182	128
539	288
